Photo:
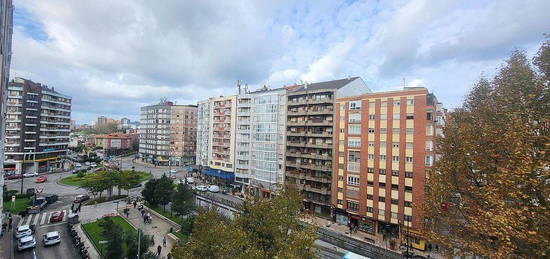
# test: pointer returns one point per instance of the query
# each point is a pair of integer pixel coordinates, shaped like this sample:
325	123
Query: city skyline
426	44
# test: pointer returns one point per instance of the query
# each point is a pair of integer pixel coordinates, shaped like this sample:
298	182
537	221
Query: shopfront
415	239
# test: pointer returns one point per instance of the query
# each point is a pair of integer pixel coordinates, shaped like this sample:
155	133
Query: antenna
404	85
239	86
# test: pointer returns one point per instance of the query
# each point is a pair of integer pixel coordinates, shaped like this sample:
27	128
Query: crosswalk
40	219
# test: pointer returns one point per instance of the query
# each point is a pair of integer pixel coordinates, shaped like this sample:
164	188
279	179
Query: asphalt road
65	249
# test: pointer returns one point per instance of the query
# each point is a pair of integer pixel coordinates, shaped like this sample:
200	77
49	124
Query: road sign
39	190
13	198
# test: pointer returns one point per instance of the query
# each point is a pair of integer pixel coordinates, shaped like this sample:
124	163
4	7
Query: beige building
183	134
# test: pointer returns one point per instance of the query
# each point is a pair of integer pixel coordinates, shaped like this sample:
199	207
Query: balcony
298	134
295	143
297	101
319	123
220	144
242	166
326	168
320	100
318	145
297	112
317	178
323	191
320	134
321	111
243	122
53	144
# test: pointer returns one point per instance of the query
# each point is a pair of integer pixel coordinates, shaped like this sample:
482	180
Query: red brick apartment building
384	152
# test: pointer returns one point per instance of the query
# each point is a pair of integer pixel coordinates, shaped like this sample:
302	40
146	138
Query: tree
164	190
266	228
182	200
148	192
127	179
489	193
94	183
113	234
131	239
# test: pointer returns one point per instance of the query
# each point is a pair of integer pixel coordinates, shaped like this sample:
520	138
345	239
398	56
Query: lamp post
116	206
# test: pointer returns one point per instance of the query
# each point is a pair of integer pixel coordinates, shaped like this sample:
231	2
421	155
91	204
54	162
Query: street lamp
116	206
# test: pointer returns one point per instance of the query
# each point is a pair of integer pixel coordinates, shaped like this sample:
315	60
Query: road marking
64	215
44	217
53	225
28	220
36	218
49	216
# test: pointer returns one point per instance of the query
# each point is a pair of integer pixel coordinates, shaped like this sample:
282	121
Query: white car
78	165
93	165
52	238
31	174
87	163
23	231
202	188
25	243
173	171
190	180
214	188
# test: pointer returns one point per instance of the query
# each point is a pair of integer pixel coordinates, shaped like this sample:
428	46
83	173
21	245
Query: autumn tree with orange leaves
490	191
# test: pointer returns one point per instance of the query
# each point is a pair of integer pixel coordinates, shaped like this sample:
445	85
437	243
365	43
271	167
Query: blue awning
219	173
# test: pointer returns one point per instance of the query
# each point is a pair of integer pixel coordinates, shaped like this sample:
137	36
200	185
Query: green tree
182	200
94	184
164	190
148	192
266	228
128	179
489	195
113	234
131	238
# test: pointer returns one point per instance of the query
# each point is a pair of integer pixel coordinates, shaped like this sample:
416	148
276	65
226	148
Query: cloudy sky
114	56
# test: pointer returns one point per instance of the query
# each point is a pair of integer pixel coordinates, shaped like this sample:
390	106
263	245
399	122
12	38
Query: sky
113	57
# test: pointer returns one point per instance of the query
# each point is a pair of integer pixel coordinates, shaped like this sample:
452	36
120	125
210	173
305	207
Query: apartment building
115	143
384	150
6	30
203	133
183	134
221	150
243	147
154	133
38	127
167	133
309	146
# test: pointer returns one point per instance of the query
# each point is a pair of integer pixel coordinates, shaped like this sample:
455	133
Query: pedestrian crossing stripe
40	219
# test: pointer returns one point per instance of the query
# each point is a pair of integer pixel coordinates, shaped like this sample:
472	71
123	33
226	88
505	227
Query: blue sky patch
27	23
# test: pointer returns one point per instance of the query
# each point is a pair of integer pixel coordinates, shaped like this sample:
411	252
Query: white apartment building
242	148
203	133
154	133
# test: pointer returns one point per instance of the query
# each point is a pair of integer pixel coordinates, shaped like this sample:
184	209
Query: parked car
78	165
12	176
23	231
37	205
81	198
26	243
93	165
52	238
214	188
51	198
30	174
190	180
202	188
41	179
57	216
173	171
87	163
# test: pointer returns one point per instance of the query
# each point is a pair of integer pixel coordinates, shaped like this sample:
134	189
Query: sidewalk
373	239
6	241
158	229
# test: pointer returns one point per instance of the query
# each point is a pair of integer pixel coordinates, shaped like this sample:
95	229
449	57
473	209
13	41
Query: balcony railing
323	191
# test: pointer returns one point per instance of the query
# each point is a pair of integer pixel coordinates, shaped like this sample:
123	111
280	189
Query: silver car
52	238
23	231
25	243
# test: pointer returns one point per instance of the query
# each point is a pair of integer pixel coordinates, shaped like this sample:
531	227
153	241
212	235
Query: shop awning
219	173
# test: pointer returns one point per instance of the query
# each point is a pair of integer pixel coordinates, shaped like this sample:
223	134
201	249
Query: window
409	159
339	202
429	145
341	142
408	174
383	144
396	116
396	103
429	116
371	105
370	170
354	129
353	156
369	183
395	187
409	131
393	215
382	171
408	188
369	209
371	130
410	116
429	160
383	117
372	116
343	106
342	130
355	105
382	199
370	197
354	142
340	178
409	145
395	158
353	180
410	101
340	153
382	157
394	172
381	212
371	156
384	104
353	205
382	185
340	189
383	130
408	218
395	144
429	130
354	117
408	204
371	143
395	130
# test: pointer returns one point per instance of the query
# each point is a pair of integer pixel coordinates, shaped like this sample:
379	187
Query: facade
203	133
183	134
167	134
242	147
267	140
309	146
124	123
114	143
38	127
101	121
6	30
385	150
154	133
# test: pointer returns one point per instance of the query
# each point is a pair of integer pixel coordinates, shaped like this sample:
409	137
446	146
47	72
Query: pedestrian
169	256
164	241
144	219
135	204
159	248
